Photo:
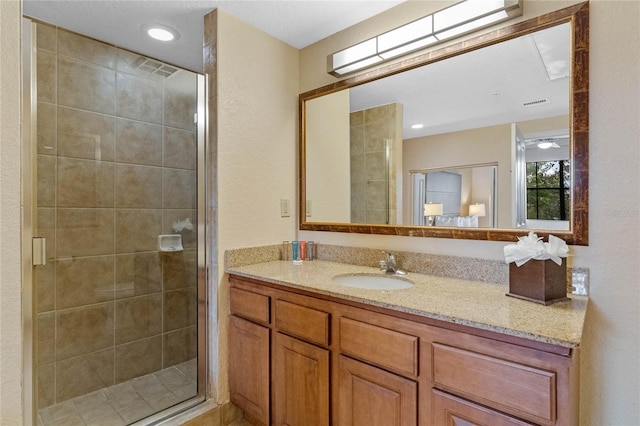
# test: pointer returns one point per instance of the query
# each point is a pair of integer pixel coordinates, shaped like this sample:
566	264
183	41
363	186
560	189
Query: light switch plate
285	208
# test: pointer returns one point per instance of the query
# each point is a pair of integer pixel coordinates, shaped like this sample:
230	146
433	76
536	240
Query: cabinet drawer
387	348
523	391
450	410
249	305
306	323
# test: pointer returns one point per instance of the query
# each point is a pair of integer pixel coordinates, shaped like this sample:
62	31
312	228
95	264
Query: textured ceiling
298	23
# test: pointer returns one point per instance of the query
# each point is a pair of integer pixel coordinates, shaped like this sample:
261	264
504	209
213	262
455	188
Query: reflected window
548	189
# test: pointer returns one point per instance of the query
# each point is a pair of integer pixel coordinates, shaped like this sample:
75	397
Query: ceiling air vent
155	67
537	102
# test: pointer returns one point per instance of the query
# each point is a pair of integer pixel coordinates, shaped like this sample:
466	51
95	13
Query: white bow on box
532	247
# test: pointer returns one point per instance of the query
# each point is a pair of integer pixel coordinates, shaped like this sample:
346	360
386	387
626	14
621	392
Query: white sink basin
373	282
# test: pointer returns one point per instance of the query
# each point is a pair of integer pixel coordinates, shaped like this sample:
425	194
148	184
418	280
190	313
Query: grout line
112	209
148	400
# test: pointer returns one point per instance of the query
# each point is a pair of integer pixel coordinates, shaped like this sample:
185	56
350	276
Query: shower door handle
39	253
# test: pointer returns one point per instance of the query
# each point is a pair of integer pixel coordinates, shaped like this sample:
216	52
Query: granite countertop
472	303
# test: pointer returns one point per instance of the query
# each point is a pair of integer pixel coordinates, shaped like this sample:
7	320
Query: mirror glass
486	133
454	188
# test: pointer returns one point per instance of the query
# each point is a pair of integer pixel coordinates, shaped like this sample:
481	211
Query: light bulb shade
354	54
477	210
453	21
405	34
433	209
465	12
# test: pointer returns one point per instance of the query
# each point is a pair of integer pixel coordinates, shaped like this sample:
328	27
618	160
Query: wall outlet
285	208
308	208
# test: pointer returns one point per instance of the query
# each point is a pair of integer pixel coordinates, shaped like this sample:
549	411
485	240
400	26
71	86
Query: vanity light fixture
453	21
160	32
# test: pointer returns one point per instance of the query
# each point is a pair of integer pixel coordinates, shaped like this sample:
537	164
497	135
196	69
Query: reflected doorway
467	194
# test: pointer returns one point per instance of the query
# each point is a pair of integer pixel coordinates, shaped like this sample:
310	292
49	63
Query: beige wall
477	146
10	302
327	137
482	193
544	124
257	146
610	369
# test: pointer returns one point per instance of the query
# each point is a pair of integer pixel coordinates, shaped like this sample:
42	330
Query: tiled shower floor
126	402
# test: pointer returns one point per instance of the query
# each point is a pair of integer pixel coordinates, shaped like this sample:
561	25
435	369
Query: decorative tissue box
539	281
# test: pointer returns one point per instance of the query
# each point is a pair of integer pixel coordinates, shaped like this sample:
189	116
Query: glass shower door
116	304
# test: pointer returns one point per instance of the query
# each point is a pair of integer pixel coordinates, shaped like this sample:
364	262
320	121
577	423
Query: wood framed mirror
334	183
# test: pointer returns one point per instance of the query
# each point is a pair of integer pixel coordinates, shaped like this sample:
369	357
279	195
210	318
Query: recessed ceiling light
417	126
161	32
545	145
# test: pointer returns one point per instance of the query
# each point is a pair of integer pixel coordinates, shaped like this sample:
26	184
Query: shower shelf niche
170	243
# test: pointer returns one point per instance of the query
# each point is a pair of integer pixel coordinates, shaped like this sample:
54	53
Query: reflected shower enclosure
116	319
376	164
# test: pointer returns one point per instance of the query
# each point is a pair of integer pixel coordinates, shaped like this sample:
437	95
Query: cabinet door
369	396
249	368
301	383
448	410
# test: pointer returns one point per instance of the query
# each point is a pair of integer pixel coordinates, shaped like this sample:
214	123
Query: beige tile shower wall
116	168
373	193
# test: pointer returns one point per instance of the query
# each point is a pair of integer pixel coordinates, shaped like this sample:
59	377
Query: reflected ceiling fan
545	143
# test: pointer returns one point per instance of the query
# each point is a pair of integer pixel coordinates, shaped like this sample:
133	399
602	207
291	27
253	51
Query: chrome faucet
388	265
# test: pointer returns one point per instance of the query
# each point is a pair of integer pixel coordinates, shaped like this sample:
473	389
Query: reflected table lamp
431	210
477	210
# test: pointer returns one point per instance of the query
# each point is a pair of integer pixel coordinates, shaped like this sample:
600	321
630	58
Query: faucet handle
390	257
389	266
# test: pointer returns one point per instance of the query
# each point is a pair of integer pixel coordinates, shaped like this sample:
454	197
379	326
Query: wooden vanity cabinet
249	361
453	411
371	396
339	362
295	363
300	382
300	363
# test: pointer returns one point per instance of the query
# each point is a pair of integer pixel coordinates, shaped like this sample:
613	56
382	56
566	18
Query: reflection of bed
458	221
